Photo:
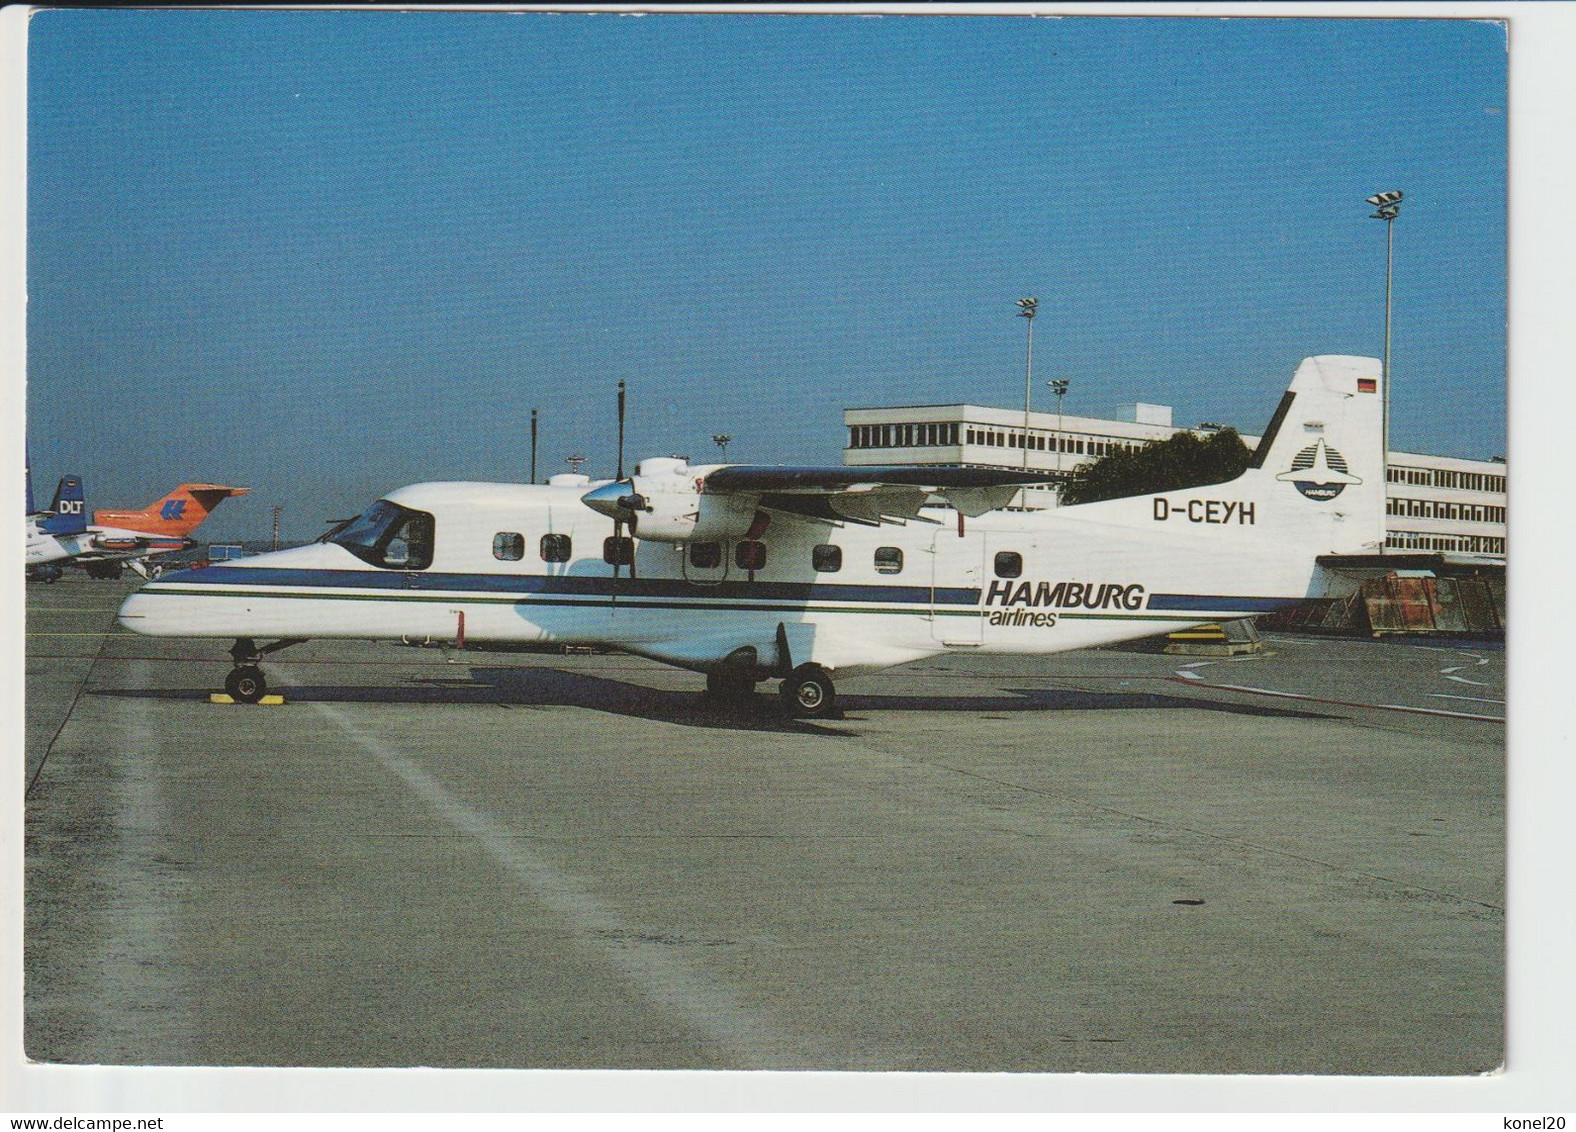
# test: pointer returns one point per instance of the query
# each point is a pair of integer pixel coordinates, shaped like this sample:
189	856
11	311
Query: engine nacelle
663	502
688	516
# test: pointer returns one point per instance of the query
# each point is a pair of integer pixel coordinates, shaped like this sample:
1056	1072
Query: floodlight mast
1059	387
1026	309
1387	207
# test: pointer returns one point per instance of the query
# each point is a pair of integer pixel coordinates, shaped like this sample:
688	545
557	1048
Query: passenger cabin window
618	550
889	560
827	559
555	548
750	555
508	546
1009	564
389	536
705	555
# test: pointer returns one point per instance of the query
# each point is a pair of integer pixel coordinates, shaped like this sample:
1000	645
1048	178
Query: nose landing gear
245	684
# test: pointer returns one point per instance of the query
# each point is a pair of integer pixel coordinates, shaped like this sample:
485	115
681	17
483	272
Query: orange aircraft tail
176	515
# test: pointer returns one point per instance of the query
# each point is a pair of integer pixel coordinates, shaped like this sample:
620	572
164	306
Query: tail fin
1315	487
177	514
68	512
1321	461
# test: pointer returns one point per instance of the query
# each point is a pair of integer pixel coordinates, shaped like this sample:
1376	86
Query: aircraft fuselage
850	598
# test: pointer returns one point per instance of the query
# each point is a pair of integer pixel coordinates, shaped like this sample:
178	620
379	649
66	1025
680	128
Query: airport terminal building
1435	504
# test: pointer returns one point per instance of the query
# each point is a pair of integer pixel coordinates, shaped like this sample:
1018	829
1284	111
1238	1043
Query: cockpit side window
389	536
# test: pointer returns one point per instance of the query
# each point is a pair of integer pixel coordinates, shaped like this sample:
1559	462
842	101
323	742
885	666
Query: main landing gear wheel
809	693
246	684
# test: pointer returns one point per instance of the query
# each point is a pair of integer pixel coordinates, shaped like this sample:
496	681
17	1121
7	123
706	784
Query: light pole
1060	389
1388	207
1026	308
721	440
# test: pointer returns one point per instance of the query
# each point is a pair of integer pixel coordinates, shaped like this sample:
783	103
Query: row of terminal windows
902	435
1468	544
946	433
1441	477
749	554
1438	509
1041	442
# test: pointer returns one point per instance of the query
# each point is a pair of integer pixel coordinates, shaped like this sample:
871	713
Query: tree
1180	461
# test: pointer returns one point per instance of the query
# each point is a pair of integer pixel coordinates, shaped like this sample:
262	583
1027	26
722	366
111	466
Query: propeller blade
620	475
618	536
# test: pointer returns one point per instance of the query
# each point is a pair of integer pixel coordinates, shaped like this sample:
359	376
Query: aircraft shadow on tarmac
551	687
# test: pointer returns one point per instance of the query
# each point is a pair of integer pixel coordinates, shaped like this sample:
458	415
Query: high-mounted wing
871	495
678	503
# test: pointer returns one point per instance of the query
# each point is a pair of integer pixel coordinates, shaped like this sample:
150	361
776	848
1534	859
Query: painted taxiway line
1457	650
742	1037
1200	683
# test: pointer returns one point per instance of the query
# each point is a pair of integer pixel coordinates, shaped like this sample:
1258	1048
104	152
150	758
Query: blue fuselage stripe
567	585
1205	603
591	586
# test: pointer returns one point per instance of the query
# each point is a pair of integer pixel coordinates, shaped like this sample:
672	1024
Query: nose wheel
808	692
246	684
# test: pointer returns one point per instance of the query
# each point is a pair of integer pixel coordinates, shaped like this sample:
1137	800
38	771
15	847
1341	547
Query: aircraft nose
133	613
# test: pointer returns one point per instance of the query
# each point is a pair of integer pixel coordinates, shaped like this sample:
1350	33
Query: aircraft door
410	547
1007	558
956	571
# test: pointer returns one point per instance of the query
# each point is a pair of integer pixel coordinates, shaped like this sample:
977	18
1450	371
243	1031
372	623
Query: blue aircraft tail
69	512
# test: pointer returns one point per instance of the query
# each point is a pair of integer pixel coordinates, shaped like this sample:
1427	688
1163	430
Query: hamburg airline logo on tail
1319	472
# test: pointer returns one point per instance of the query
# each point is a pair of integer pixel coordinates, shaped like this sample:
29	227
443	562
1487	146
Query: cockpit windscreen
389	536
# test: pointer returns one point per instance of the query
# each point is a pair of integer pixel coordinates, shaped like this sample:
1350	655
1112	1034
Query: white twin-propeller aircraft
750	573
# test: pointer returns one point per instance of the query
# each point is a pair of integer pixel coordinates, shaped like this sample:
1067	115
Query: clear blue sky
325	254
